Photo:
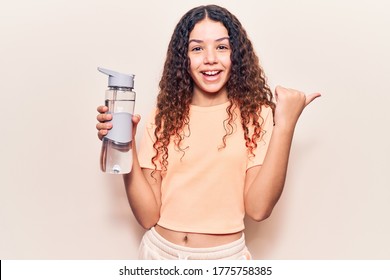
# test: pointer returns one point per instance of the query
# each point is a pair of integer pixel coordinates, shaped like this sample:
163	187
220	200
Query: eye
196	49
222	47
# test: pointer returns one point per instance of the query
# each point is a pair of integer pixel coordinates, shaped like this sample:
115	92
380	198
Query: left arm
264	184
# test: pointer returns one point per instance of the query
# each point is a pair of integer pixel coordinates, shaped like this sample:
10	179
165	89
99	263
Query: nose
210	57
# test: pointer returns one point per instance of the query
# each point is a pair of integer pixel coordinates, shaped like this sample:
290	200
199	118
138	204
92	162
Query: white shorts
155	247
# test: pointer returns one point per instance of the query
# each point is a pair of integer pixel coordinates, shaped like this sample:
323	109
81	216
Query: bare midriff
197	240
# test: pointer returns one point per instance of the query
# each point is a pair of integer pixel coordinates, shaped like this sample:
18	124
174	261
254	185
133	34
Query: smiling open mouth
211	73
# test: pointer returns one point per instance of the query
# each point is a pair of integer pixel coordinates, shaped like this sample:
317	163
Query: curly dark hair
247	88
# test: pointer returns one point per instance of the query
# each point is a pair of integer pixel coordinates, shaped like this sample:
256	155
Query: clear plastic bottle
116	154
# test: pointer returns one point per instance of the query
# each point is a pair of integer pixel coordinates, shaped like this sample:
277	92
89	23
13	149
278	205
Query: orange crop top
202	191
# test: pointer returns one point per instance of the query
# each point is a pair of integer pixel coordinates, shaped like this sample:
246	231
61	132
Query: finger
104	117
102	109
311	97
277	90
104	126
102	133
136	119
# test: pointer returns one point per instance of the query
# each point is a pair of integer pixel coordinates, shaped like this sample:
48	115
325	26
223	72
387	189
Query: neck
203	99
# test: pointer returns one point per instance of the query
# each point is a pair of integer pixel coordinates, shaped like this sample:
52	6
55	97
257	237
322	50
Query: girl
216	147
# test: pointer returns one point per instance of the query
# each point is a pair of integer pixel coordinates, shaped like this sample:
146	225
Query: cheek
195	62
192	70
227	62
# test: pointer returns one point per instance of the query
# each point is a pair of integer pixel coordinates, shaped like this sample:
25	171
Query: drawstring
179	257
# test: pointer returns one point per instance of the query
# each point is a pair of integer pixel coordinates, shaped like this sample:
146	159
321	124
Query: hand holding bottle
104	124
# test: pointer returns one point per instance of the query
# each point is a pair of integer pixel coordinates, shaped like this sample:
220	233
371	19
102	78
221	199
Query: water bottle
116	155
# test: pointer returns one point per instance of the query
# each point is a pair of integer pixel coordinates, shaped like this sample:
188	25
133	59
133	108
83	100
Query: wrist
284	128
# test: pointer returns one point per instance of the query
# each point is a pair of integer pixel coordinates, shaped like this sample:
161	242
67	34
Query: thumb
136	119
311	97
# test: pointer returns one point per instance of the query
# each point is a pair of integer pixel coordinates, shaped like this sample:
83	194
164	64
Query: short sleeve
263	142
146	151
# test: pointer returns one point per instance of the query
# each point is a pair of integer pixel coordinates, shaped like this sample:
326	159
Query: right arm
143	190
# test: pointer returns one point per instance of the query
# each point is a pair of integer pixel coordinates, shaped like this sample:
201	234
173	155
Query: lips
211	75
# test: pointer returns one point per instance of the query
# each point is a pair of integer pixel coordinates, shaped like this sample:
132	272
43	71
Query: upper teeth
211	72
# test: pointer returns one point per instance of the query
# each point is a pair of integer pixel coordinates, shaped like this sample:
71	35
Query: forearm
264	191
143	201
264	186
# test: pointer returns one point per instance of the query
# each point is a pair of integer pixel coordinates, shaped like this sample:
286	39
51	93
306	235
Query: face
209	53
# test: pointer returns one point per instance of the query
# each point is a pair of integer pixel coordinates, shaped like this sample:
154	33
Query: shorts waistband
170	250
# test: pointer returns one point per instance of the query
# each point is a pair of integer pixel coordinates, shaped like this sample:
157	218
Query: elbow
149	222
147	226
259	216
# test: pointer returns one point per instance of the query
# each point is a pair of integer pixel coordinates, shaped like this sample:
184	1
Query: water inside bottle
116	154
116	158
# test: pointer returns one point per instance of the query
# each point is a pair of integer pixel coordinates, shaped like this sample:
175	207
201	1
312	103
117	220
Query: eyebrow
201	41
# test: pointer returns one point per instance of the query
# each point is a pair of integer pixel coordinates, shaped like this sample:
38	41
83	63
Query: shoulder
266	111
150	120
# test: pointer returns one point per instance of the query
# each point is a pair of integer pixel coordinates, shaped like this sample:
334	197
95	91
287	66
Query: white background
56	204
